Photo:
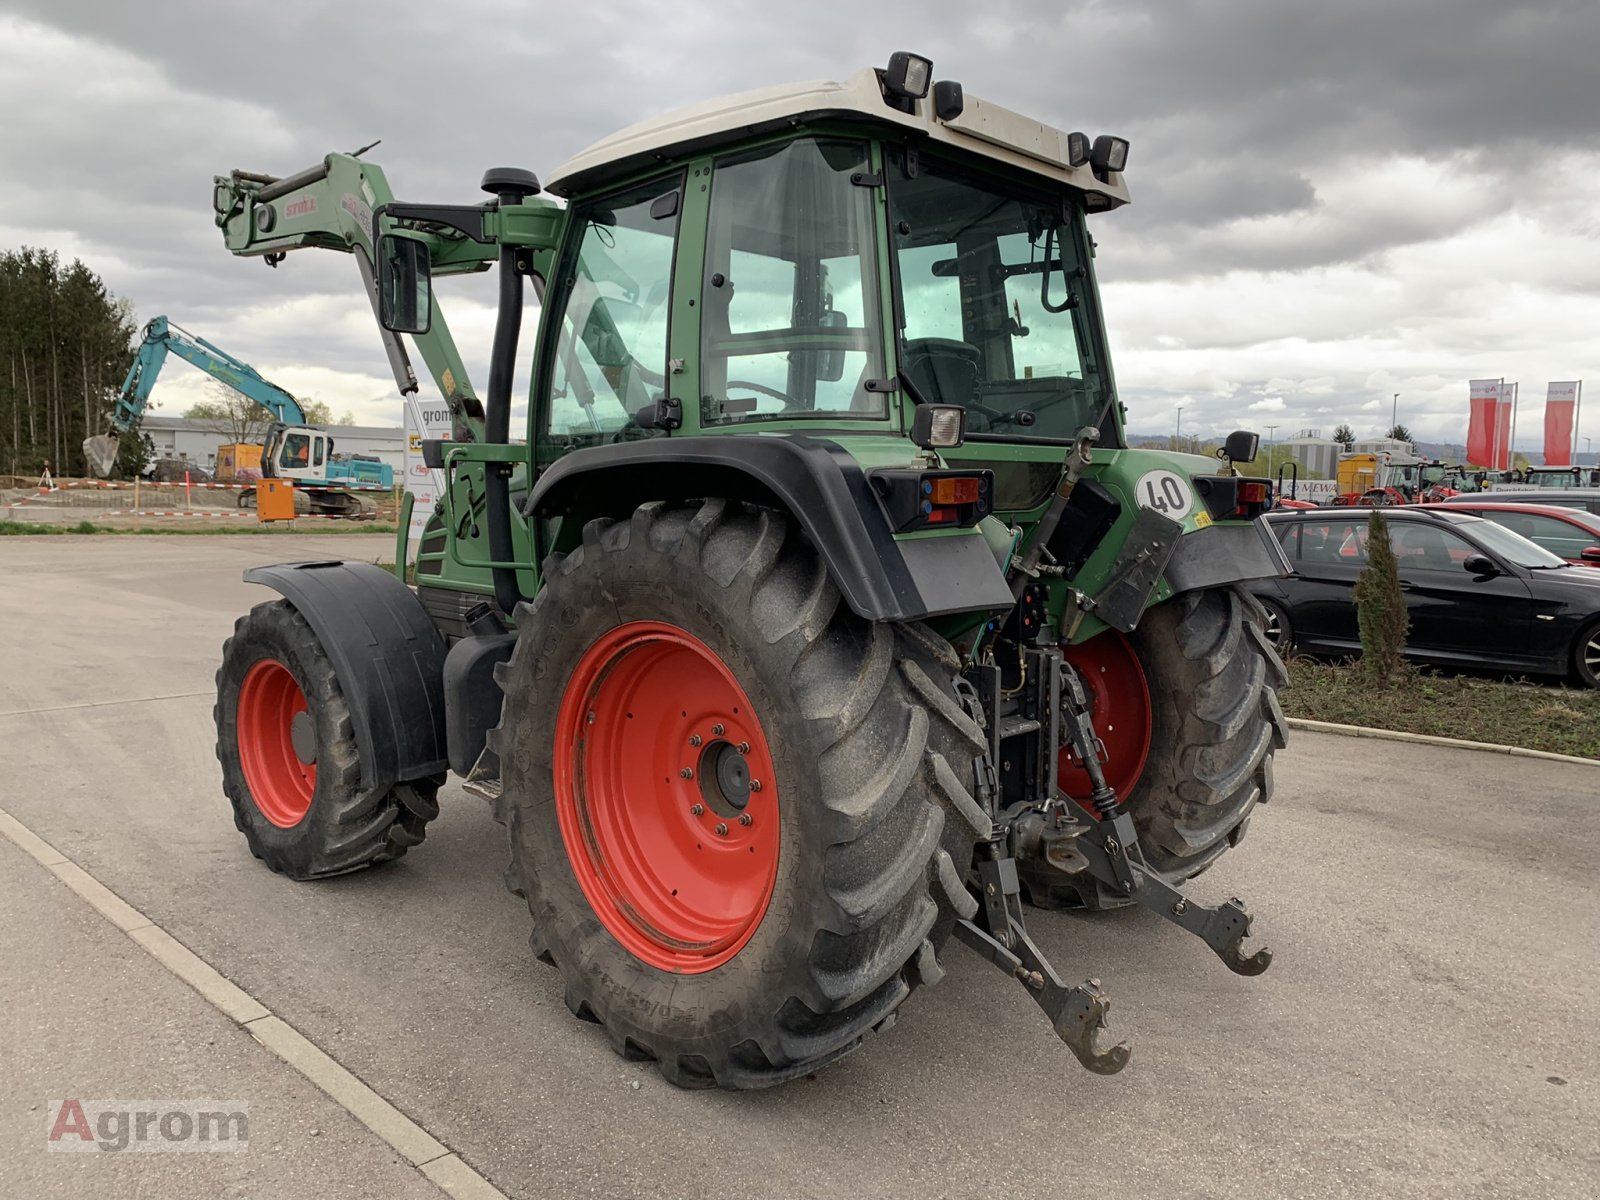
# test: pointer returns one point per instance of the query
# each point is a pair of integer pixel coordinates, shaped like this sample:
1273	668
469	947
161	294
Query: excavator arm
161	338
331	206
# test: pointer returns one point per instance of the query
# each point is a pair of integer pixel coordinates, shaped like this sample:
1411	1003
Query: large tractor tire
289	761
1187	707
740	815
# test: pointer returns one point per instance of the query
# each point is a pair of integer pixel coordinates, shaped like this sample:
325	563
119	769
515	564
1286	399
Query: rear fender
387	655
818	483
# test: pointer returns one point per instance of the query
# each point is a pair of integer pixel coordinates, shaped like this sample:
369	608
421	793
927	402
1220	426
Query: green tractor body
819	615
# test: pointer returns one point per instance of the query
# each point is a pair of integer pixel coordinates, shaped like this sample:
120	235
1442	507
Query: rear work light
933	499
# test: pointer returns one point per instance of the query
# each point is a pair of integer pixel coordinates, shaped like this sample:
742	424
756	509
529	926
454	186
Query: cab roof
982	128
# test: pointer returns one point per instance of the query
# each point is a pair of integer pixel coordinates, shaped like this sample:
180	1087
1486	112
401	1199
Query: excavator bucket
101	451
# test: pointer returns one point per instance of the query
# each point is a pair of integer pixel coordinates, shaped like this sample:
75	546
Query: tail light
1234	497
933	499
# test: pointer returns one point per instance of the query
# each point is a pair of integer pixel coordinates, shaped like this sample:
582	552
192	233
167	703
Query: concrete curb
1394	735
436	1162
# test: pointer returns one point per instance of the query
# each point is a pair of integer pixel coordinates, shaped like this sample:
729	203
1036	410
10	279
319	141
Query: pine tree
1380	606
1345	436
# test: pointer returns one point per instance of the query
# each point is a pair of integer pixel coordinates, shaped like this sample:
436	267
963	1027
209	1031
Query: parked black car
1477	594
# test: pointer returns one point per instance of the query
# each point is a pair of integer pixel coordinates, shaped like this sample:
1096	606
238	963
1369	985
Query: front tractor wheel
290	766
740	815
1187	708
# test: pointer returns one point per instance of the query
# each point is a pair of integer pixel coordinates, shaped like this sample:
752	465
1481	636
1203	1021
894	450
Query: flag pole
1577	415
1511	440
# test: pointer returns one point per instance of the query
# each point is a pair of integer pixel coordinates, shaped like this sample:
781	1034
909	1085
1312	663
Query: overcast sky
1333	201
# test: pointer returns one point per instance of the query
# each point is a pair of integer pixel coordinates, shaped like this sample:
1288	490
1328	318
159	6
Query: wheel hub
277	740
725	778
665	797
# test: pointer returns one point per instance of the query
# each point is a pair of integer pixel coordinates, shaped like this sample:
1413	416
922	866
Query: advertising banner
1481	440
425	419
1560	418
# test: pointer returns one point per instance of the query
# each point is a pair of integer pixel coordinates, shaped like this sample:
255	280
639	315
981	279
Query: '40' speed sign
1165	491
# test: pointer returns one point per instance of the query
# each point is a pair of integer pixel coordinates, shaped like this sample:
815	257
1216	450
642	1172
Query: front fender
387	655
817	482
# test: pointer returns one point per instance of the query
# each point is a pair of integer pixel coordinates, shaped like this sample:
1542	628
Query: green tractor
822	616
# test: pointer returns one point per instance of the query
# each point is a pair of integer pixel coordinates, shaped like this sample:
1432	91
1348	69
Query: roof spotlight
1109	154
1077	149
908	75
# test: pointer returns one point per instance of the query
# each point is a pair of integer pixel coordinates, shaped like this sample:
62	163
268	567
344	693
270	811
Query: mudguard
819	484
387	654
1224	554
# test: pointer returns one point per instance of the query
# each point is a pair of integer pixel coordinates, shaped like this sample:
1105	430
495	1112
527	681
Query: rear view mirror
830	362
1590	554
1480	564
405	284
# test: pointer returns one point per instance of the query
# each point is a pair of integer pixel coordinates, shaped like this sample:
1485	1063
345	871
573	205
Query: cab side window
790	299
610	352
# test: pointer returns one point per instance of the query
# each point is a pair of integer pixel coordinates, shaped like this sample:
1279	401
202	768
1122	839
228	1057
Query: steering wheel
764	390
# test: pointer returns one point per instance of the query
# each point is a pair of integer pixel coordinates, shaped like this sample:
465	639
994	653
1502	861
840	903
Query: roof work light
1109	154
908	75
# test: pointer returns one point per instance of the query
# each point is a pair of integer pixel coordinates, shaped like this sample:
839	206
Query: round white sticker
1165	491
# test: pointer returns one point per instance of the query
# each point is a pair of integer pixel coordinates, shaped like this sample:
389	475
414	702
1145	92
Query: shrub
1380	607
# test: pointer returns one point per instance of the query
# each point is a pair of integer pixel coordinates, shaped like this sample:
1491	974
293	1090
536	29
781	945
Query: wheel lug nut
716	730
745	819
686	773
744	747
698	810
694	739
755	785
722	829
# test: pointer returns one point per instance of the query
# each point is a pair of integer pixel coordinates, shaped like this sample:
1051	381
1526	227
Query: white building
196	441
1313	452
1385	446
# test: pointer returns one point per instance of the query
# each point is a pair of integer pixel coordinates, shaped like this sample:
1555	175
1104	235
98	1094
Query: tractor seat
943	370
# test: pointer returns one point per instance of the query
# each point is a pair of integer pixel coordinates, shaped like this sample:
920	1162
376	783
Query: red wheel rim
1119	699
280	783
653	727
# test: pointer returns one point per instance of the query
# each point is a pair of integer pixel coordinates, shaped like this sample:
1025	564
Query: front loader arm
330	206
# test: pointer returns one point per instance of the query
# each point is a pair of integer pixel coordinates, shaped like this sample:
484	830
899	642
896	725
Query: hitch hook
1235	927
1077	1014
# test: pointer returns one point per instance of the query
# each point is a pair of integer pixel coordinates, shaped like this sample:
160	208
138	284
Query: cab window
610	352
296	450
789	304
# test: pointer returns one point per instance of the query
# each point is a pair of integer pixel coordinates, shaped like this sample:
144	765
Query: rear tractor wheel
289	759
1187	708
740	815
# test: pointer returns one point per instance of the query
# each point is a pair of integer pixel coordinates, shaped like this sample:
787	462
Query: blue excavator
292	450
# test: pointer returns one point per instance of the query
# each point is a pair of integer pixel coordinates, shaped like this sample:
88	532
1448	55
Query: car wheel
1278	630
1586	657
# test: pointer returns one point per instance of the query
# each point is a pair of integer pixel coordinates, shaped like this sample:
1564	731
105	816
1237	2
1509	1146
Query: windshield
997	305
1513	547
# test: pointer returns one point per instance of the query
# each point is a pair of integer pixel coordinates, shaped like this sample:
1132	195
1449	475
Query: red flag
1502	436
1558	433
1480	432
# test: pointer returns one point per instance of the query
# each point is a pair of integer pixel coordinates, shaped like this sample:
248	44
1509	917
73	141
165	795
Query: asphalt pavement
1428	1027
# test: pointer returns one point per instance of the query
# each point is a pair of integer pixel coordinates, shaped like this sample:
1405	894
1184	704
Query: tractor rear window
789	302
997	302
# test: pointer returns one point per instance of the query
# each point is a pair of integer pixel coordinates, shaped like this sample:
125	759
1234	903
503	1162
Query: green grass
32	529
1535	716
